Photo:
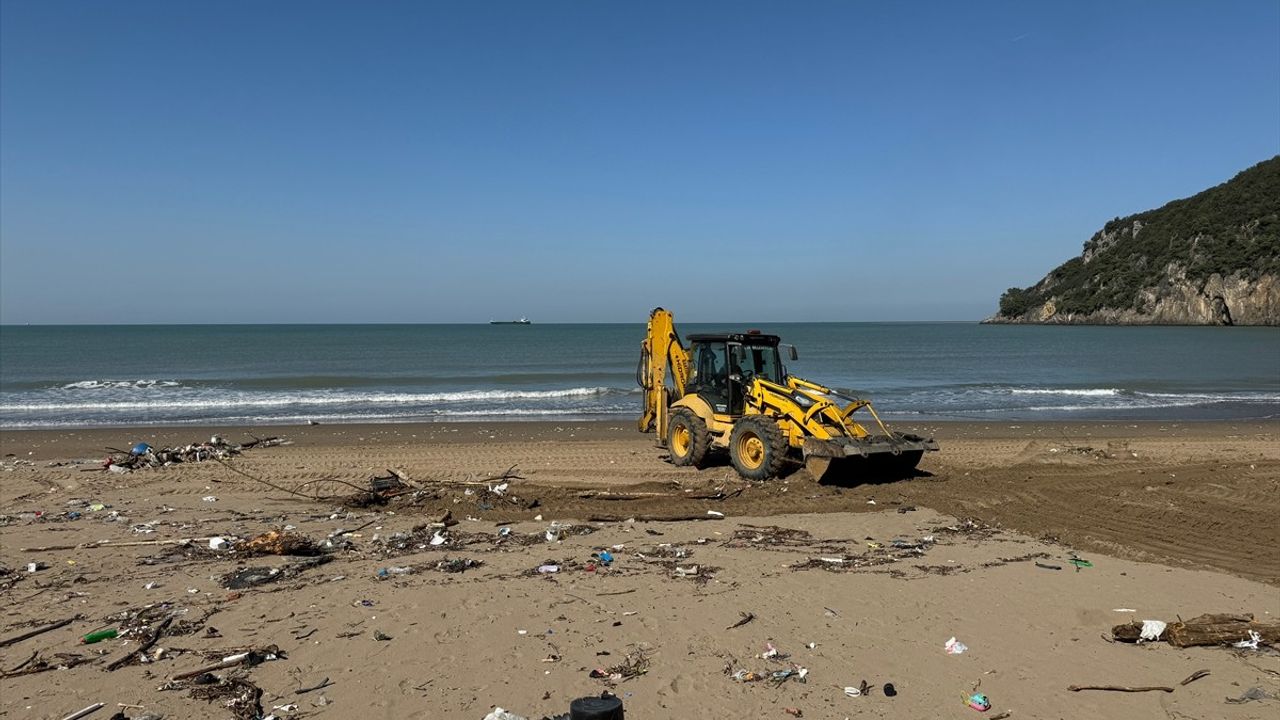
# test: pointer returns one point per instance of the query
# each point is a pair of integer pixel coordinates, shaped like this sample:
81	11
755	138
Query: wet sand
1177	519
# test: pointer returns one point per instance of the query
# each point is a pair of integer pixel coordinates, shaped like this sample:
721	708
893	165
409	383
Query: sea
88	376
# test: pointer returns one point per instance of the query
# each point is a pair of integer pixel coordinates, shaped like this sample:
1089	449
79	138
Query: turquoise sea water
76	376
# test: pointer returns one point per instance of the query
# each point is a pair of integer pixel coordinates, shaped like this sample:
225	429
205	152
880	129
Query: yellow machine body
767	415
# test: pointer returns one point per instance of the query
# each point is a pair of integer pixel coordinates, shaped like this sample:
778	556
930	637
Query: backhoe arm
660	352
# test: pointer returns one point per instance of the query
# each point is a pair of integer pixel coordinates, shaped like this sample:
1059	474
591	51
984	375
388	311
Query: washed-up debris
1250	695
248	658
241	697
954	647
143	455
140	652
1209	629
634	664
745	618
254	576
773	653
457	565
279	542
39	664
771	535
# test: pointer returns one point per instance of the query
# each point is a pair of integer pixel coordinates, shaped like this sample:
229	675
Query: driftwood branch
1219	629
653	518
38	631
1120	688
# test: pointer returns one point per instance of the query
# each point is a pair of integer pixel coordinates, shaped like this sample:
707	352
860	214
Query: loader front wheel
687	438
757	447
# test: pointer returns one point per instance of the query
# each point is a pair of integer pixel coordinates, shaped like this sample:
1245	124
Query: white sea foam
120	384
210	399
1084	392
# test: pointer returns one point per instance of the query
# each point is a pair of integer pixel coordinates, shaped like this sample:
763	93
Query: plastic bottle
98	636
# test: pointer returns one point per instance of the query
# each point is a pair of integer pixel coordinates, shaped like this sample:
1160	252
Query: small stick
143	648
323	684
24	663
37	631
620	592
1120	688
1194	677
85	712
746	618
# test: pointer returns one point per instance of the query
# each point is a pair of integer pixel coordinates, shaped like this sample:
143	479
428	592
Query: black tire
687	438
757	447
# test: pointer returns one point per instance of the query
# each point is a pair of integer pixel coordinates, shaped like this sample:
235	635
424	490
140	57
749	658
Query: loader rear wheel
757	447
687	438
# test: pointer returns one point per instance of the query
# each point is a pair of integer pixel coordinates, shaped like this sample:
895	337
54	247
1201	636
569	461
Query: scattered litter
85	712
1252	643
457	565
890	690
1129	610
99	636
209	498
500	714
715	513
1152	630
219	543
979	702
1250	695
548	569
955	647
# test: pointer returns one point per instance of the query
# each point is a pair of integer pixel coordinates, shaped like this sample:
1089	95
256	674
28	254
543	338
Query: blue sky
583	162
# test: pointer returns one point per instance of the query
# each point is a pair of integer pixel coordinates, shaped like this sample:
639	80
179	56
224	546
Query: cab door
711	376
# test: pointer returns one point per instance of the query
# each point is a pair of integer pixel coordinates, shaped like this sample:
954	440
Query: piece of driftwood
38	631
1194	677
1120	688
109	543
653	518
1209	629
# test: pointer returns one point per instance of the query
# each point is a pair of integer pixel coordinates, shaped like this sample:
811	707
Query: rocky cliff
1210	259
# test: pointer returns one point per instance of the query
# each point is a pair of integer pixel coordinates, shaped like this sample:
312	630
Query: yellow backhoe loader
730	391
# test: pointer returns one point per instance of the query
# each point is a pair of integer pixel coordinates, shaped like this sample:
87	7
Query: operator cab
722	366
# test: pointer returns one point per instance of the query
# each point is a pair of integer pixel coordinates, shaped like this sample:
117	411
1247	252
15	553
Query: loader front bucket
875	458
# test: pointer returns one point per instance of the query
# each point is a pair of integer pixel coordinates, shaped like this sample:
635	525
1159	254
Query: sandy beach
860	582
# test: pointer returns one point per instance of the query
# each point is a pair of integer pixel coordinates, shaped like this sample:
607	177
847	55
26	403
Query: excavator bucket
875	458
